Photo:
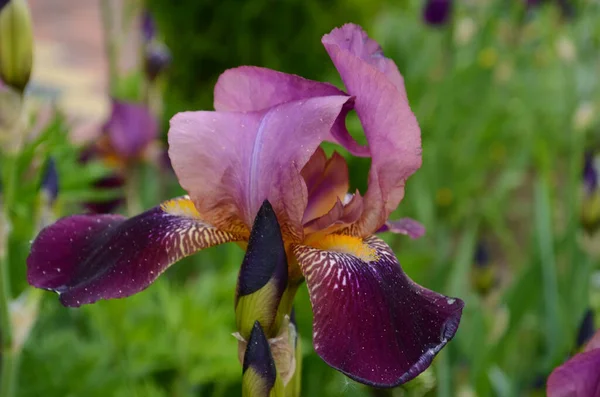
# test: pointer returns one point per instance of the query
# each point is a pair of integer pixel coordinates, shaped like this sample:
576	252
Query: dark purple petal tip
85	258
258	357
371	321
265	257
587	328
3	3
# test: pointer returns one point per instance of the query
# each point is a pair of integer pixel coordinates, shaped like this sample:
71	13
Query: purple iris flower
580	376
127	134
437	12
371	321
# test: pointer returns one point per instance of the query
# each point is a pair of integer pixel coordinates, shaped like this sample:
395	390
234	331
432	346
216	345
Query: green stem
111	46
132	190
10	369
9	361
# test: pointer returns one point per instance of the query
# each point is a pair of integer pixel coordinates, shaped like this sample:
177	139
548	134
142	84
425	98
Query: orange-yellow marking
181	206
347	245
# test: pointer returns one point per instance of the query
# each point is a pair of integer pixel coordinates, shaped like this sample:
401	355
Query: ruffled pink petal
390	126
407	226
231	162
251	88
330	188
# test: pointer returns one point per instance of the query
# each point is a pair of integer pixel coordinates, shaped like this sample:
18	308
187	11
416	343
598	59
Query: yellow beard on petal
344	244
181	206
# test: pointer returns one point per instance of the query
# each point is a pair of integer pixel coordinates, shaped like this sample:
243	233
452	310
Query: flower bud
157	59
16	43
590	205
259	375
437	12
263	276
49	185
587	329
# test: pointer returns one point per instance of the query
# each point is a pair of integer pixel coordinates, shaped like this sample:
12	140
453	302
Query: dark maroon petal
131	128
371	321
86	258
578	377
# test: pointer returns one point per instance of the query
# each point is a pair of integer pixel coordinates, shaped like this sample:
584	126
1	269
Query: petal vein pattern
90	257
370	320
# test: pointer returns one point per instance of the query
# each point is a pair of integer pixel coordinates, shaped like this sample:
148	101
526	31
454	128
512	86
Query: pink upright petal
390	126
251	88
231	162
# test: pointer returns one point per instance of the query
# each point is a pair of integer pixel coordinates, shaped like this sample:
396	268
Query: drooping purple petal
250	88
407	226
371	321
131	128
86	258
437	12
578	377
231	162
390	126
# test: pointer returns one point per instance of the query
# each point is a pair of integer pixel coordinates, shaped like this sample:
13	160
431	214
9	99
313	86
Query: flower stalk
262	308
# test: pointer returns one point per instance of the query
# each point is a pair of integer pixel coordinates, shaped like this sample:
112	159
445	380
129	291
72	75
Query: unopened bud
259	375
49	185
263	276
16	43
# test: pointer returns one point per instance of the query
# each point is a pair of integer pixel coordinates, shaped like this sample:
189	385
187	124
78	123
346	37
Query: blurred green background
507	98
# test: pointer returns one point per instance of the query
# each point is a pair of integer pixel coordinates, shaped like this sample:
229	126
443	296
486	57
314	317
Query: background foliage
501	93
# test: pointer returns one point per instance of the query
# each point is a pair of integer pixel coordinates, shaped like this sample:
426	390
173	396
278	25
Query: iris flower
578	377
371	321
127	136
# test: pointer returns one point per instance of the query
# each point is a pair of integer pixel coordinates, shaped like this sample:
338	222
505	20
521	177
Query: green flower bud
259	375
16	43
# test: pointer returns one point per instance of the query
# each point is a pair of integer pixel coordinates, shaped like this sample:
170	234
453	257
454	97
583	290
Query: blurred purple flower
580	376
157	59
130	129
371	321
437	12
148	26
590	172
